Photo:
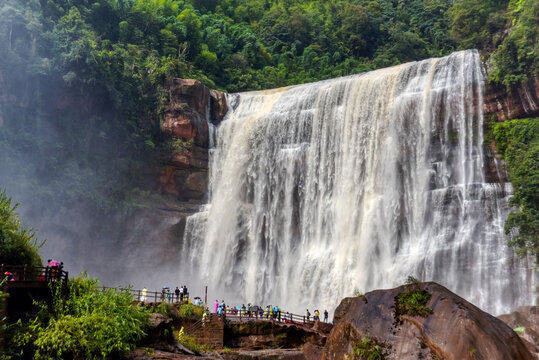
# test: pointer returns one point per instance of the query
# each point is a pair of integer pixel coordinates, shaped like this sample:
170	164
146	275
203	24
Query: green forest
83	81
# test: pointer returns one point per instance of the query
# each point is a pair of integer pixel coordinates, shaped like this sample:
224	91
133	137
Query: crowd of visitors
272	312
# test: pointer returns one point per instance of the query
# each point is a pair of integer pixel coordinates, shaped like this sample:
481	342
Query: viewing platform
25	284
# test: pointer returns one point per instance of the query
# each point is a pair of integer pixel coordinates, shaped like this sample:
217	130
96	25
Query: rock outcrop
191	110
265	334
455	329
523	101
526	320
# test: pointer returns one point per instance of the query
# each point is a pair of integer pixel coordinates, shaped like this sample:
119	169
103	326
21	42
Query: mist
81	163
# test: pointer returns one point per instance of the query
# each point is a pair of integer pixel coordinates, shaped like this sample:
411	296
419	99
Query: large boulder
526	320
396	325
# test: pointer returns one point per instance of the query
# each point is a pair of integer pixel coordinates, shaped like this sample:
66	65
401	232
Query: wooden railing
230	314
150	296
25	273
261	315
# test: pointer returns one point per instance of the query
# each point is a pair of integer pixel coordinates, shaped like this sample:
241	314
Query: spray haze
71	155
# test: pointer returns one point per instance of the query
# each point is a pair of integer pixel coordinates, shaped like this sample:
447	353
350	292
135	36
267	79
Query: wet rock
312	351
523	101
160	336
264	334
526	317
188	93
152	354
196	185
272	354
218	106
455	329
187	125
191	105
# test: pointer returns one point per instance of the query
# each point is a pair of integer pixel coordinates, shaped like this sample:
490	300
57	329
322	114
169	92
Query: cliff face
523	101
191	110
501	105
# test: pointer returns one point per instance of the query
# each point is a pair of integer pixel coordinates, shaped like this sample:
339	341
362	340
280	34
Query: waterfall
351	184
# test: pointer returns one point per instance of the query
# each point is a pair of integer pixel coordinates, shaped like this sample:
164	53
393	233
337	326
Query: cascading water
354	183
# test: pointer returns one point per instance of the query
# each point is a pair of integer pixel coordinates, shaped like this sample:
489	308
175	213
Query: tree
18	245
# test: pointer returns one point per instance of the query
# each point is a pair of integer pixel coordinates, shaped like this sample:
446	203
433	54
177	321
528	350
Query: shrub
89	323
190	310
413	303
367	349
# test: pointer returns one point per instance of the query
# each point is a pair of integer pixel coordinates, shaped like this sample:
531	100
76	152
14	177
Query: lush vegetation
190	311
518	55
18	245
87	323
367	349
518	142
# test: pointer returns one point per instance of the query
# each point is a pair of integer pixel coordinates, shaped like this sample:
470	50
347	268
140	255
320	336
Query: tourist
316	315
326	316
220	310
163	294
144	293
177	292
308	315
169	295
215	306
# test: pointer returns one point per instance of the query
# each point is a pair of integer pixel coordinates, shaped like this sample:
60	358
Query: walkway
234	315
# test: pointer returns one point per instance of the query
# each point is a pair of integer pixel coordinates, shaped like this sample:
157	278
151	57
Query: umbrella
197	297
520	329
166	287
54	263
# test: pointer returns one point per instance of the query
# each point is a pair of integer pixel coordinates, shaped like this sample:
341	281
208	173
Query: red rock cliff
190	109
522	101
